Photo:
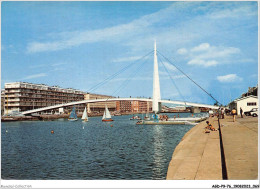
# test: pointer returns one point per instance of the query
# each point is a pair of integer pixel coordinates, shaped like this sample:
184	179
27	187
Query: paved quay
240	140
198	155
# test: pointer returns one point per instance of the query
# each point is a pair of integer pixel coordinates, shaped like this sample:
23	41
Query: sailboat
85	115
73	115
106	115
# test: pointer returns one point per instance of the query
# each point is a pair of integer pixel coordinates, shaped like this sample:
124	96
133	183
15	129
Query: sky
80	44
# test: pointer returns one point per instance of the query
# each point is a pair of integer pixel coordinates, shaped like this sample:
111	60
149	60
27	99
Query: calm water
85	151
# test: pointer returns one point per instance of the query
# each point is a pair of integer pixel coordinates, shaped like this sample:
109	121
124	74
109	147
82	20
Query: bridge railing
116	99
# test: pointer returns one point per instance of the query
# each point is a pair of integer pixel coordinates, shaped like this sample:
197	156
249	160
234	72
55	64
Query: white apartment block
22	96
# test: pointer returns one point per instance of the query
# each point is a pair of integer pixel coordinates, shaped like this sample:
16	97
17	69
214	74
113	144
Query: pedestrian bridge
117	99
156	100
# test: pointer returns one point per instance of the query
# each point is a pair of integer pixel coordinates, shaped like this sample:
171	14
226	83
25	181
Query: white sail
108	116
85	115
104	115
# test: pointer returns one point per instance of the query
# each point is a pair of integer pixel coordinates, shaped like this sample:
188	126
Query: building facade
22	96
123	106
98	107
246	103
2	101
133	106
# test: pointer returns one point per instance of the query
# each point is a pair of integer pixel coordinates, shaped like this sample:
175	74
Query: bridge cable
117	73
190	78
172	80
128	79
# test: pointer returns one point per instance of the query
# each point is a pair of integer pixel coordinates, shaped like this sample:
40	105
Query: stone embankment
198	156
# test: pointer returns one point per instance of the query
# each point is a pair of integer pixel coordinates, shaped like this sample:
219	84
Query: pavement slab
198	155
240	141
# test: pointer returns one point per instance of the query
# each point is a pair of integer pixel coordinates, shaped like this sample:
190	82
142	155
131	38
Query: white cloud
182	51
218	52
229	78
127	59
234	12
35	76
73	39
201	47
203	63
142	25
206	55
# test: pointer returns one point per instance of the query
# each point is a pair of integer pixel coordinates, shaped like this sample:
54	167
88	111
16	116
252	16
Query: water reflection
159	151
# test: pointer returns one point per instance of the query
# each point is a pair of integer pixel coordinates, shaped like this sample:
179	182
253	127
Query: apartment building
98	107
22	96
145	106
123	106
134	106
2	101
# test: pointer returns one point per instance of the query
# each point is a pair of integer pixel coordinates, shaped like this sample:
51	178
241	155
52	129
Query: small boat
106	115
73	115
135	118
85	115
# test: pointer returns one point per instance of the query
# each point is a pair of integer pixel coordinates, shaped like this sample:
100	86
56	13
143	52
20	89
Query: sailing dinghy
85	115
106	115
73	115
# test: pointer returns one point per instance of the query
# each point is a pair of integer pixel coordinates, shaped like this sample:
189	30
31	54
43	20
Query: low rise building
246	103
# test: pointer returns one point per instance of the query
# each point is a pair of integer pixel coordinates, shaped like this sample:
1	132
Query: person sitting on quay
210	127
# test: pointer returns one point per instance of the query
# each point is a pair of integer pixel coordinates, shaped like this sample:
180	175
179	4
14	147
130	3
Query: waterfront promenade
198	155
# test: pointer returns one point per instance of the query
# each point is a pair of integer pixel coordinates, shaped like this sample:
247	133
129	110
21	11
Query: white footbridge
117	99
157	101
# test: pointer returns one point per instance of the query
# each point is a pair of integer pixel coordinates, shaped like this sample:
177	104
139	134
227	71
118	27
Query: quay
170	122
198	156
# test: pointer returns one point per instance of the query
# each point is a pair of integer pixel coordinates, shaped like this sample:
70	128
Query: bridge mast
156	84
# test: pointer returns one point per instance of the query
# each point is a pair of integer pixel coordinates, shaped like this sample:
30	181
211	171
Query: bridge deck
117	99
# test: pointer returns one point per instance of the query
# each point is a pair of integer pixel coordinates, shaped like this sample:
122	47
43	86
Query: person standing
241	112
222	113
234	112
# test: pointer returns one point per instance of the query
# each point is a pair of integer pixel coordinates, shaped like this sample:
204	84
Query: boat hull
73	119
107	120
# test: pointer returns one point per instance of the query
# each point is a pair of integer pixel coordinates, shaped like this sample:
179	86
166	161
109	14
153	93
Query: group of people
221	113
164	117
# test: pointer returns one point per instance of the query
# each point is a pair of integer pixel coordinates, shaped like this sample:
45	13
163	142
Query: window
251	104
